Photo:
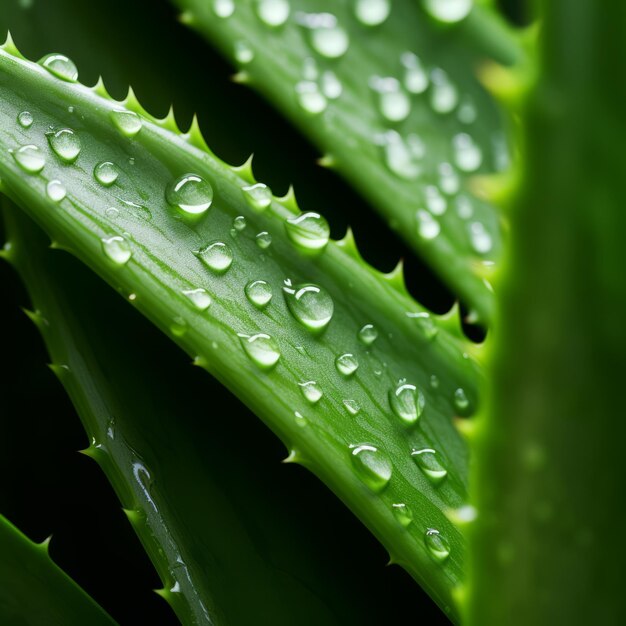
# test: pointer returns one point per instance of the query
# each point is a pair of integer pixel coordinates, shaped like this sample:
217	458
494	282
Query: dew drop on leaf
239	223
65	143
427	226
190	193
448	11
56	190
428	462
60	66
415	76
371	465
106	173
437	545
310	304
346	364
461	403
351	406
311	391
310	98
309	231
25	119
407	402
263	240
273	12
259	293
217	256
443	95
244	54
326	36
262	350
30	158
117	249
368	334
199	298
127	122
403	514
393	102
372	12
223	8
258	196
467	154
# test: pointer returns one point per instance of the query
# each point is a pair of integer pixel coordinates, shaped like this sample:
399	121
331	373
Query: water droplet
243	52
259	293
403	514
425	322
117	249
372	12
25	119
407	402
464	207
258	196
435	202
56	190
239	223
112	213
467	154
346	364
393	103
273	12
262	349
415	76
178	327
65	143
327	37
372	465
127	122
310	98
60	66
428	462
311	391
467	111
448	11
199	297
427	226
437	545
190	193
263	240
217	256
443	96
311	305
223	8
300	419
331	85
461	402
401	157
434	381
449	180
309	231
106	173
30	158
351	406
481	239
368	334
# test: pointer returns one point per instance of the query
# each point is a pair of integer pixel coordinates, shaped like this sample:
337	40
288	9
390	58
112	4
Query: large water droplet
481	239
402	156
259	293
127	122
427	226
327	37
243	52
415	76
223	8
448	11
331	85
444	95
351	406
311	391
117	249
65	143
217	256
106	173
30	158
368	334
239	223
56	190
407	402
25	119
311	305
263	240
258	196
467	154
403	514
393	103
190	193
372	12
461	402
372	466
309	231
435	202
310	98
425	322
428	462
273	12
199	298
60	66
346	364
437	545
449	180
262	349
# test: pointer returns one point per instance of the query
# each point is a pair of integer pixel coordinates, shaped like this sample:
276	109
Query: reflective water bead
393	102
239	223
371	465
415	76
311	305
217	256
449	180
467	111
56	191
346	364
403	514
179	326
309	231
368	334
310	98
437	545
400	158
331	85
60	66
327	37
127	122
262	349
443	95
311	391
259	293
223	8
351	406
273	12
467	154
428	462
112	213
481	239
448	11
30	158
464	208
258	196
372	12
300	419
427	226
243	52
434	381
25	119
190	193
435	202
425	322
407	402
263	240
199	298
65	143
117	249
460	400
106	173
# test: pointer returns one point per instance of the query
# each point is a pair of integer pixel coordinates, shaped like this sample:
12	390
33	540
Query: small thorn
241	78
36	318
200	361
45	544
134	516
245	169
187	18
61	371
293	457
328	160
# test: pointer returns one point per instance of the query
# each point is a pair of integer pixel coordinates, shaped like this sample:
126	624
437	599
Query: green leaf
549	477
150	252
396	108
34	590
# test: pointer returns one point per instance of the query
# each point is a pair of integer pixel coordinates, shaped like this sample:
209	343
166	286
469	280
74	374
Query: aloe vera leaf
405	162
34	590
548	481
206	530
163	262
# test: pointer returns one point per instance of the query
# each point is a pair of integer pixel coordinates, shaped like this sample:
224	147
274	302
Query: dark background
46	487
